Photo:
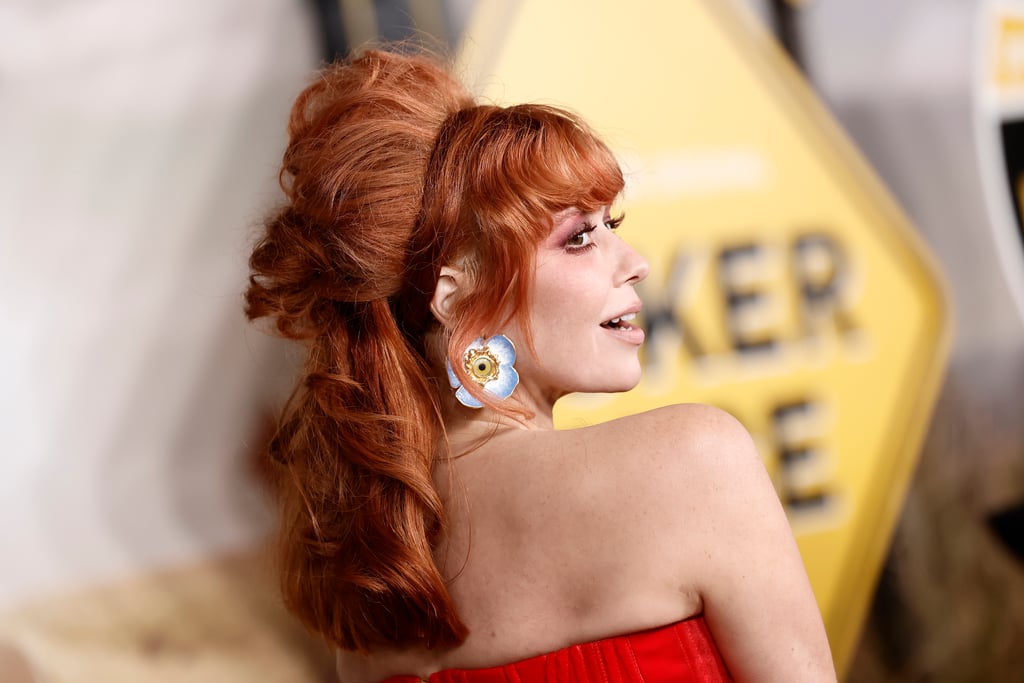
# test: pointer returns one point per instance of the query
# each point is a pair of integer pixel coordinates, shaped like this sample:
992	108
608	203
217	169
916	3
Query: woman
454	270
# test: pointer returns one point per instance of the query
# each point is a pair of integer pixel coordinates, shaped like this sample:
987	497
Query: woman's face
581	311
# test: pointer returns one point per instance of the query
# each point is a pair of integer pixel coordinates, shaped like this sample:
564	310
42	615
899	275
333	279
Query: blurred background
139	149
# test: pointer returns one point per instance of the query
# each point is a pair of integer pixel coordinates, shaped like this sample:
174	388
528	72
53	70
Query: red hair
391	172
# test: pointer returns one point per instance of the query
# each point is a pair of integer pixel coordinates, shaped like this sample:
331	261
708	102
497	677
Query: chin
620	383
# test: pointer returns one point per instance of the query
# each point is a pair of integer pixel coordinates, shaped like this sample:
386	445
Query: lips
621	326
621	322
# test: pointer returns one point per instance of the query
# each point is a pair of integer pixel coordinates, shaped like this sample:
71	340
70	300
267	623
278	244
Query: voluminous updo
392	171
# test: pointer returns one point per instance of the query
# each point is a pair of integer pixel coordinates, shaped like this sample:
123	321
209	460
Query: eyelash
611	224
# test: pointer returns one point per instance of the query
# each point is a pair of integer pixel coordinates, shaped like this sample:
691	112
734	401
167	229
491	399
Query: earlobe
445	293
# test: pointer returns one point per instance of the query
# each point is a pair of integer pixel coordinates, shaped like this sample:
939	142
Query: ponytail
353	455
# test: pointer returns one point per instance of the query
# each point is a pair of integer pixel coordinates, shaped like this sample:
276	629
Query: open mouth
620	323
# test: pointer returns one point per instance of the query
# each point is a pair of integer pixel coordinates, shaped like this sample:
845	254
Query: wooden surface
220	622
950	604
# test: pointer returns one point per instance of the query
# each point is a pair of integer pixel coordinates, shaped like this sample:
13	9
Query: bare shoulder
686	416
691	480
674	469
691	443
652	486
674	425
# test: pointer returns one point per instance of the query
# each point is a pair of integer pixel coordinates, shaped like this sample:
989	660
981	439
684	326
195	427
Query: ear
449	283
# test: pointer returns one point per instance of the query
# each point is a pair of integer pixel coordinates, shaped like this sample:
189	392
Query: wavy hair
392	171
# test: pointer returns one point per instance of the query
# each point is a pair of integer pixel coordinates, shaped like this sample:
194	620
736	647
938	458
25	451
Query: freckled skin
555	537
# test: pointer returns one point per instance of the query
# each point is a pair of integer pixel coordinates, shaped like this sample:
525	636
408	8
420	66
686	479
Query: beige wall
140	143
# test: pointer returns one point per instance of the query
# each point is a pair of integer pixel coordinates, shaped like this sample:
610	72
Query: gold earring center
481	365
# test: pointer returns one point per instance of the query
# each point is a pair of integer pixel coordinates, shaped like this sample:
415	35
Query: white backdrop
140	143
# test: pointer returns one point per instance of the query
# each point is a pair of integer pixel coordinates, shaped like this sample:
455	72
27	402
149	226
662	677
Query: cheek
567	301
563	286
563	311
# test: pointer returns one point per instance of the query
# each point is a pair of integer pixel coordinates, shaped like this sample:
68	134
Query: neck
467	429
533	411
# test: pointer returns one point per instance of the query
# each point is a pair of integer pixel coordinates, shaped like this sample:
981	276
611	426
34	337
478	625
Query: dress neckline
694	627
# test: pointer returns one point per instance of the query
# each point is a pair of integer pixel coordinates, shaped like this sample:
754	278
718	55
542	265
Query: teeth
621	319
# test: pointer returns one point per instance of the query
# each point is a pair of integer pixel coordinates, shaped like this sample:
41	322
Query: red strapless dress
678	653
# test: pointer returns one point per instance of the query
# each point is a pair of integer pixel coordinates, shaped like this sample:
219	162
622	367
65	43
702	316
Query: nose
633	266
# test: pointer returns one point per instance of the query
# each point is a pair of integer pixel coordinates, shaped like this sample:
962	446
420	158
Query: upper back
561	537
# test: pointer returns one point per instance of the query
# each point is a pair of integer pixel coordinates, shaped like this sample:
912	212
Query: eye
613	223
581	239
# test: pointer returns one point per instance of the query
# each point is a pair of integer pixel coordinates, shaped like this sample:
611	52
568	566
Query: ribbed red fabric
682	652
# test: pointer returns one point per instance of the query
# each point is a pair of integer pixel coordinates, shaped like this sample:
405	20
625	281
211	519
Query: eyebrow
563	217
564	214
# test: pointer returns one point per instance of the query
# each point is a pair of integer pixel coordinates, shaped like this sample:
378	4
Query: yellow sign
1009	53
785	285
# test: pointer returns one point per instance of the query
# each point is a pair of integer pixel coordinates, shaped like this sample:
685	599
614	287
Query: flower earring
491	364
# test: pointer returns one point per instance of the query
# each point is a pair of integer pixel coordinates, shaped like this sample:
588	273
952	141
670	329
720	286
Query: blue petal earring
491	364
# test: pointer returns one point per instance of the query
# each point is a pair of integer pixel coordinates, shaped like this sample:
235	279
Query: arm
757	599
